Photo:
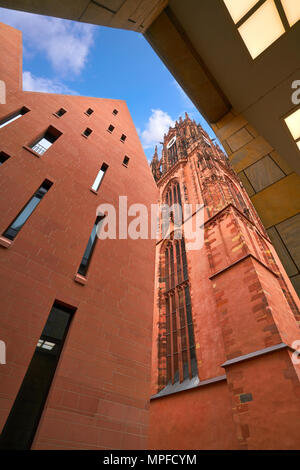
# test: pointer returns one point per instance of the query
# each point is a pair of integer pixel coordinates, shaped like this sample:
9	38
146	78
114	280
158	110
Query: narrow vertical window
110	128
20	220
168	342
41	145
192	351
89	111
167	269
178	262
21	425
3	157
115	112
12	117
90	247
184	261
177	343
123	138
172	267
99	177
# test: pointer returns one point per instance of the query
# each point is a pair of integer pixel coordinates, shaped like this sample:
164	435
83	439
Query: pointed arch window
173	196
172	154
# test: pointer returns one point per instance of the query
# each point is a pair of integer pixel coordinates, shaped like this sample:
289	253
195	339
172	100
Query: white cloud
65	44
45	85
157	125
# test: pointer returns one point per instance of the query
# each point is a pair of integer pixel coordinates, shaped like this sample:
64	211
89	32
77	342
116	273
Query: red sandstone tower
75	311
225	316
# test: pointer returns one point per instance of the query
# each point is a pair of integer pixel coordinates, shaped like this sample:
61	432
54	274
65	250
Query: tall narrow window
110	128
90	247
89	111
115	112
180	359
99	177
13	117
12	231
21	425
123	138
41	145
3	157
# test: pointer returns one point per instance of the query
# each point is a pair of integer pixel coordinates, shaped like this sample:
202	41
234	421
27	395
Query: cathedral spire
155	165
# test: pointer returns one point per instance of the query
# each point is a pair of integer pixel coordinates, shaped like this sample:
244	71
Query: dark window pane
22	422
89	248
13	117
3	157
20	220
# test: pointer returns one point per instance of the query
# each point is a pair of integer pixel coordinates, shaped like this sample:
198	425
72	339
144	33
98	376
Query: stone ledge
32	151
5	242
258	353
80	279
186	385
250	256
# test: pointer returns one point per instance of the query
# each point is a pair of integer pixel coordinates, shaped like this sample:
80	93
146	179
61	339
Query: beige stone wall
271	184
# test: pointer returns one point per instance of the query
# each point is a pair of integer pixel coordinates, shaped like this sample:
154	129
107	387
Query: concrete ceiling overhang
174	47
260	89
199	43
135	15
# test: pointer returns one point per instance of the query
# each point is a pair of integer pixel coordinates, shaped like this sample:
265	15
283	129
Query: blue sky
61	56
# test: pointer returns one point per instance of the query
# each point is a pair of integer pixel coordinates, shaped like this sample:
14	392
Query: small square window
126	160
89	111
87	132
123	138
111	128
43	143
60	112
3	157
115	112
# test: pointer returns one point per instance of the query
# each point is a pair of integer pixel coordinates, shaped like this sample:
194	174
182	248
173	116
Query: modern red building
225	316
75	311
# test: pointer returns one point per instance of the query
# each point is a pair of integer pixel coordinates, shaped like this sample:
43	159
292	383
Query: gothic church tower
226	315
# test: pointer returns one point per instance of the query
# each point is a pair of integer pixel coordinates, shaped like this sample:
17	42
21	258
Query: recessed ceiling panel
293	123
239	8
262	28
292	10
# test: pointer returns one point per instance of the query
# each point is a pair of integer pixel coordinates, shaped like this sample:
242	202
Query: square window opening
126	160
87	132
60	112
43	143
3	157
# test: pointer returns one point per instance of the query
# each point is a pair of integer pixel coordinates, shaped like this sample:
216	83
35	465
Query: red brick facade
99	397
245	392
